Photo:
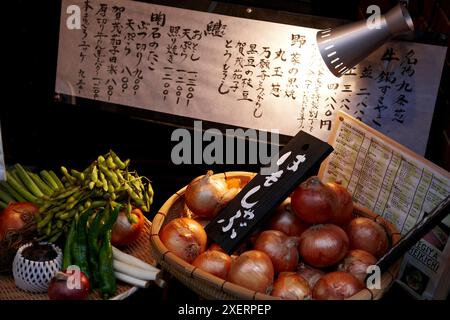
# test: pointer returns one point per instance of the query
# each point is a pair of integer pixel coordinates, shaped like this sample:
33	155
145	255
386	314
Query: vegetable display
308	248
88	211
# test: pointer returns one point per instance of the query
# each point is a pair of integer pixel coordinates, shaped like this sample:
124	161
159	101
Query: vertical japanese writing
115	43
100	48
83	45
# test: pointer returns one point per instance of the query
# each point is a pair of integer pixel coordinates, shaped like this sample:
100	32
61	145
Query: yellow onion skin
185	237
214	262
336	285
291	286
206	195
253	270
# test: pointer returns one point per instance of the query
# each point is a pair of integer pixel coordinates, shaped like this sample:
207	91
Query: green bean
46	220
139	202
78	175
98	204
59	224
6	197
66	193
117	160
11	191
3	205
28	182
94	174
49	180
110	175
67	215
56	179
48	229
110	163
40	184
69	178
119	176
103	181
101	160
19	188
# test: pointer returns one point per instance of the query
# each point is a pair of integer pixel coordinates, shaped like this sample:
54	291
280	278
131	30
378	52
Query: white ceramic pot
35	276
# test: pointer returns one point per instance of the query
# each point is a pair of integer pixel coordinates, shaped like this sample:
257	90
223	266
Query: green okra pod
27	181
56	179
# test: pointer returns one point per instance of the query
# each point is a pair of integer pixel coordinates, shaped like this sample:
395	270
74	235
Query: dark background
39	131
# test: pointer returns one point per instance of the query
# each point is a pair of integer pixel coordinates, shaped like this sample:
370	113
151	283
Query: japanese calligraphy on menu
399	185
270	77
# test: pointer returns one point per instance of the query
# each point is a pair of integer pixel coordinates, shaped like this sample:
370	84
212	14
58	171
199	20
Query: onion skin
214	262
185	237
286	221
252	270
310	274
206	195
356	263
16	216
336	285
291	286
313	201
344	212
368	235
281	249
323	245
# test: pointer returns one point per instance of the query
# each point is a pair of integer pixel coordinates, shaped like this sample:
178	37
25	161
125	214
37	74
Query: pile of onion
310	274
205	196
185	237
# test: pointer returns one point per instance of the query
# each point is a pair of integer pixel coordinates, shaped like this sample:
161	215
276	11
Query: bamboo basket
208	286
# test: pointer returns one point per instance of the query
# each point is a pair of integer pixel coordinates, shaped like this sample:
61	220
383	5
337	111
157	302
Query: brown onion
313	201
368	235
281	249
215	262
206	195
323	245
253	270
291	286
310	274
185	237
356	263
285	220
336	285
344	212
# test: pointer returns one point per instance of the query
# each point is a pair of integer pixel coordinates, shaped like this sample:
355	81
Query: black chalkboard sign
298	160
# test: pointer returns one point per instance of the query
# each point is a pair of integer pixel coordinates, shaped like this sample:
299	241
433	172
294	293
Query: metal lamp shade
345	46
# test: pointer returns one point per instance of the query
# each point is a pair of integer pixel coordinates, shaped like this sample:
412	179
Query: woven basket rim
215	287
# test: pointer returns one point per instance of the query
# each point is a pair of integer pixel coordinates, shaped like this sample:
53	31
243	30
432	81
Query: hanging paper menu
399	185
203	66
